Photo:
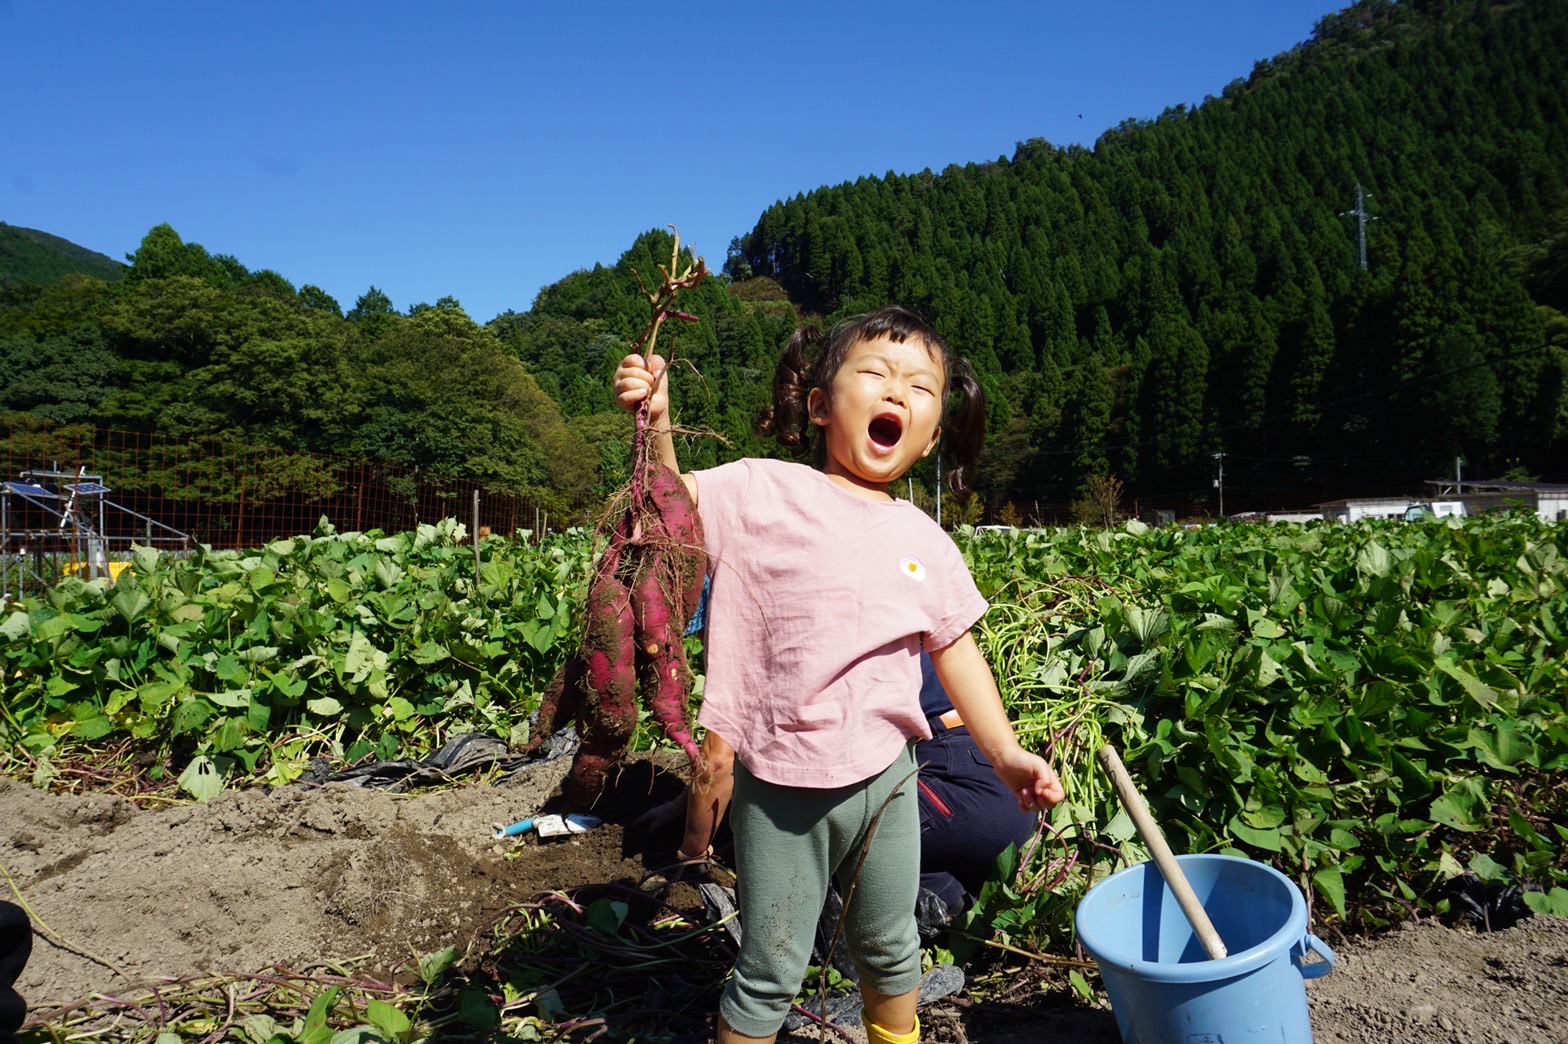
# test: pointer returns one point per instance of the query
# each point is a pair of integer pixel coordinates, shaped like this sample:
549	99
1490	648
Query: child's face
884	414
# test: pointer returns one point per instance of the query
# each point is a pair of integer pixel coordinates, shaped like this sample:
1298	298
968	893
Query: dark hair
811	360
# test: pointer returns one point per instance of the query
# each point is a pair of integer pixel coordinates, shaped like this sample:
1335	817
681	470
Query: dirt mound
300	876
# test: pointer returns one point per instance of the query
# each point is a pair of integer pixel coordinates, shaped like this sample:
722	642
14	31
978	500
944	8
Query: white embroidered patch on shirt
911	567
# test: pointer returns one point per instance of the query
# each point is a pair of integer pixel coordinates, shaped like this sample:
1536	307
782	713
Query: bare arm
635	382
972	688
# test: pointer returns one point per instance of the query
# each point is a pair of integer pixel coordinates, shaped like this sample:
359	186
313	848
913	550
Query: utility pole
1362	217
1219	483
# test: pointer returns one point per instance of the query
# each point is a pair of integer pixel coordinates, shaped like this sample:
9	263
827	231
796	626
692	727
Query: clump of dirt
297	877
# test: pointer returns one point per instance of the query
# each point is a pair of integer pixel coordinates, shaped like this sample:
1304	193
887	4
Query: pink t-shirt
819	606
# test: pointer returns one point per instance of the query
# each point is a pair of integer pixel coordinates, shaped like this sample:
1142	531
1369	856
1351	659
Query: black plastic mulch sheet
16	944
470	752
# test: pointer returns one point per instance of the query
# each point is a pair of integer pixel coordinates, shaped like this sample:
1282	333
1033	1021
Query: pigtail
788	418
963	426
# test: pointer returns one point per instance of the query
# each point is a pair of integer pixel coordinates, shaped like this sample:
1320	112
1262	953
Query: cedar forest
1188	287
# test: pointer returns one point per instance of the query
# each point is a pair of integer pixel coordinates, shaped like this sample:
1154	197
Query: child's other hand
634	381
1033	779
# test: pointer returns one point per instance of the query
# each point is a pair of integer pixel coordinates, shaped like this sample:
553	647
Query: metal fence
75	500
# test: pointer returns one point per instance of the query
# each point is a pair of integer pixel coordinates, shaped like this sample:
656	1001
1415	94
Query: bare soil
296	876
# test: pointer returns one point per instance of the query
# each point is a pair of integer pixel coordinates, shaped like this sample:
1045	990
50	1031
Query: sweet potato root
661	662
645	587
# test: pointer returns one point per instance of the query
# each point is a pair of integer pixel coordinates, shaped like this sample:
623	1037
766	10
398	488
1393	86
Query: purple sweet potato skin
559	704
645	587
608	653
685	561
661	664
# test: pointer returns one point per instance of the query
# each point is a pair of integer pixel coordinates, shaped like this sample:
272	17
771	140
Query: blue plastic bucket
1163	987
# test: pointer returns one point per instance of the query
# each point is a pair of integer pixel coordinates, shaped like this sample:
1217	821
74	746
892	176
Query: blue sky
483	150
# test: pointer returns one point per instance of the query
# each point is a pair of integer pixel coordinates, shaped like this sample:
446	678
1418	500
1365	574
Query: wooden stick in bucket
1169	868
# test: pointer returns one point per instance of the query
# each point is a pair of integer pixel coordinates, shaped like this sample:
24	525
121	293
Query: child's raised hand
1032	779
634	381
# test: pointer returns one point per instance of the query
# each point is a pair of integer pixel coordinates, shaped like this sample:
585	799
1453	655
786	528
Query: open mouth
885	430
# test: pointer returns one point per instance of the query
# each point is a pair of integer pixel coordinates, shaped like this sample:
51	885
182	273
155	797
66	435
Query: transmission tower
1362	217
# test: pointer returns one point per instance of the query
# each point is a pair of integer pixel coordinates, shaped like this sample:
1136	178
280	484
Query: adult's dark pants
967	815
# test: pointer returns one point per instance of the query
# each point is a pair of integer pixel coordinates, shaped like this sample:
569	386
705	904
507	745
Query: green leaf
190	716
16	626
1329	881
429	653
475	1008
387	572
1267	840
201	779
231	698
92	728
606	915
1081	985
144	559
433	965
1504	747
316	1030
324	706
259	1028
129	602
388	1019
1489	869
1460	805
1374	560
356	1035
1553	903
1474	687
1264	818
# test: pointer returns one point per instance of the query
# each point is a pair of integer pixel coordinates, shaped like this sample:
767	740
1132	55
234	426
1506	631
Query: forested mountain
1189	287
30	256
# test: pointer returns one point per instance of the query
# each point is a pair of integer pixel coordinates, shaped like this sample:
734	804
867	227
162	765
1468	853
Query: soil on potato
296	876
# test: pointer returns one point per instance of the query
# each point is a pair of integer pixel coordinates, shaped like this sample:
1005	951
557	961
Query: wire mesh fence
74	500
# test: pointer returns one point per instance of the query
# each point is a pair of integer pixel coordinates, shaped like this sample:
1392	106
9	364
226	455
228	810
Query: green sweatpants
789	841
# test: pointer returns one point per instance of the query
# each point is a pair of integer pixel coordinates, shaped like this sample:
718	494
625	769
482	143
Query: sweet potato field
1378	710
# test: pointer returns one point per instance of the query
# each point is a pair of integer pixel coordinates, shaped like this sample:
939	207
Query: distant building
1357	508
1549	500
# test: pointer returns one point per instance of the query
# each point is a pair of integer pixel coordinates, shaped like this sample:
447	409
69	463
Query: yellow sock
877	1035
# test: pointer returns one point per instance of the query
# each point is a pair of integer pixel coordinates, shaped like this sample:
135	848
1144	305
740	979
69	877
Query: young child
825	589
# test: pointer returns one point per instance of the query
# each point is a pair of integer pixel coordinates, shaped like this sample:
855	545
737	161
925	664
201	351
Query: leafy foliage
1377	709
245	664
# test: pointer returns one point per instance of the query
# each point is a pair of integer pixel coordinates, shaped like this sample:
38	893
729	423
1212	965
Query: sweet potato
661	663
644	589
685	560
558	704
609	686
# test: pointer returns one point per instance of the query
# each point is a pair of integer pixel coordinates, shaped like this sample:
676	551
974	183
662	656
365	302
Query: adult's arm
708	797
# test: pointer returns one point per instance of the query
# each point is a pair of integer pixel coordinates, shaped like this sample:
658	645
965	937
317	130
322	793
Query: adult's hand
659	828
